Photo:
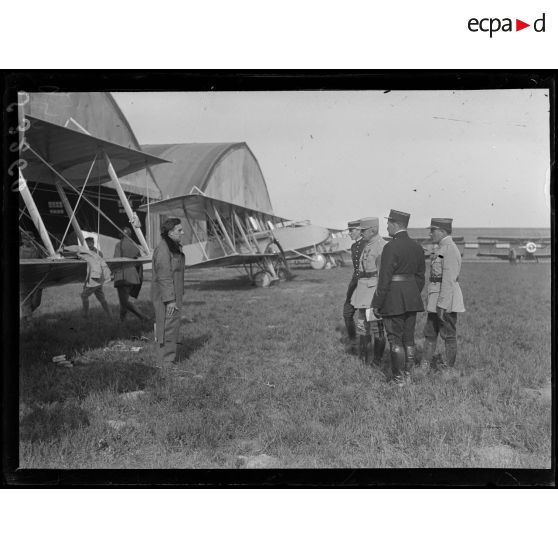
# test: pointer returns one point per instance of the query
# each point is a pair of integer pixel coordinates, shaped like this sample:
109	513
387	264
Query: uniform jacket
167	283
369	263
356	251
130	275
445	264
402	255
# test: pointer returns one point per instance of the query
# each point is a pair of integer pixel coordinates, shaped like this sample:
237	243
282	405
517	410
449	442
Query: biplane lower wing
506	256
49	273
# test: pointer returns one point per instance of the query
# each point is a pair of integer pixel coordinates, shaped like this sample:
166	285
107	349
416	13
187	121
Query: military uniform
364	292
128	280
348	308
398	295
167	285
445	299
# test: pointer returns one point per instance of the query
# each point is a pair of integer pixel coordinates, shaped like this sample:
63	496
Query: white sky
480	157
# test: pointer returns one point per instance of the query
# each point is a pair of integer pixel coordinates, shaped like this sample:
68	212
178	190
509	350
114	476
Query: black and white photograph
284	278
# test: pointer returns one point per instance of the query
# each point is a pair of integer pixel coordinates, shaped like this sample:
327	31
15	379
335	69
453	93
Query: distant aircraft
429	246
515	248
59	156
231	235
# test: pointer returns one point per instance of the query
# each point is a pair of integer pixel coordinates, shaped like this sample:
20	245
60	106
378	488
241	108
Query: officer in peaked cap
368	265
445	299
397	299
348	308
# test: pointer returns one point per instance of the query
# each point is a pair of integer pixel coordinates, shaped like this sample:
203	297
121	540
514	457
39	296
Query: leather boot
428	349
451	352
367	342
351	328
409	362
379	348
362	347
397	354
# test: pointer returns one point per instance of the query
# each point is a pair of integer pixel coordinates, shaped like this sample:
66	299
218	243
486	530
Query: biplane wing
47	273
71	153
228	234
63	157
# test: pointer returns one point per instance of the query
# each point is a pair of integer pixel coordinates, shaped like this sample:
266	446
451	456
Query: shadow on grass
68	332
53	422
190	345
49	384
235	284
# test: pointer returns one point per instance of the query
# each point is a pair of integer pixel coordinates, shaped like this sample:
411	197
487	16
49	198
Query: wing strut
35	216
223	228
134	221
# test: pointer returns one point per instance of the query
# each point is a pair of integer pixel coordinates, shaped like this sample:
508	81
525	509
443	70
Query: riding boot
362	348
409	362
428	349
351	341
85	307
351	328
367	342
397	354
451	352
379	348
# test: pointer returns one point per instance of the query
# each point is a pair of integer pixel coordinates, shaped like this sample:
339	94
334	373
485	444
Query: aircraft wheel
318	262
328	265
262	279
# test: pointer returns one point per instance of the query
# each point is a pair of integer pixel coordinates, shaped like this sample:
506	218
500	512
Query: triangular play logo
519	25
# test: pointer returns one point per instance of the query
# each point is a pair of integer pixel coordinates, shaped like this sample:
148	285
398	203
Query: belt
368	274
402	277
439	279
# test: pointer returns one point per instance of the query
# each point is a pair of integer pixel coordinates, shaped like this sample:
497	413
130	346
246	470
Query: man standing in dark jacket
397	299
348	308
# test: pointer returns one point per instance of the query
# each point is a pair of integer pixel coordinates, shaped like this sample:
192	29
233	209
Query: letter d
535	27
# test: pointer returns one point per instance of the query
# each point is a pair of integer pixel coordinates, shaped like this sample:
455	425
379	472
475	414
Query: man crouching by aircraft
445	299
369	263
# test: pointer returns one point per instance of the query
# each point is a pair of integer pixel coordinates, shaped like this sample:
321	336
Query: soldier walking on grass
445	299
368	265
397	299
348	308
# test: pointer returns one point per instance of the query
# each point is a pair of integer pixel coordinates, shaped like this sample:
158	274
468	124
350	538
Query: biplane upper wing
71	152
51	272
513	239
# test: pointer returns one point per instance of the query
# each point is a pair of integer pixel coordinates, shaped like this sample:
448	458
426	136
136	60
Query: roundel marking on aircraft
531	247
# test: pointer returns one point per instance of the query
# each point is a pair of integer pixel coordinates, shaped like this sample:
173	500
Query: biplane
225	234
331	252
70	161
514	248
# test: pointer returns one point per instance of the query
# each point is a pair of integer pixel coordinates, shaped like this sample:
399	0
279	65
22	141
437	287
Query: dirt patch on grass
499	455
543	394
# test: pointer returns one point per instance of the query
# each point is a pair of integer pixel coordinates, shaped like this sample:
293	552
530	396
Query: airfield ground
267	384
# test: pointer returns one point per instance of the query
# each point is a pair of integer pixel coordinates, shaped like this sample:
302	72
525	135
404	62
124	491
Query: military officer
368	264
445	299
397	299
348	308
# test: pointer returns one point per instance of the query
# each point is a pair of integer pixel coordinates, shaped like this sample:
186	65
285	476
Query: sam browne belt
402	277
368	274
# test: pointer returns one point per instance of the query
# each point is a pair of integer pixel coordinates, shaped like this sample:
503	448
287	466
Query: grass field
267	384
